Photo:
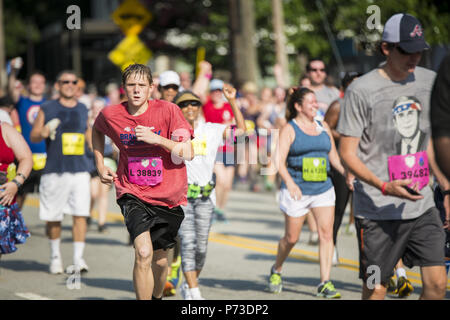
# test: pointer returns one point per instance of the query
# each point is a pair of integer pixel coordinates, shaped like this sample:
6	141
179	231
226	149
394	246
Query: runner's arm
442	180
230	93
183	150
106	174
333	155
22	153
287	136
39	131
348	147
332	117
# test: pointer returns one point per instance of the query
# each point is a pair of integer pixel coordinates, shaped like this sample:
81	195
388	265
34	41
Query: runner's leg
142	272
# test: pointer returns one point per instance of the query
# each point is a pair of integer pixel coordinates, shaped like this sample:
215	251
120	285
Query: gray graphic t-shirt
390	118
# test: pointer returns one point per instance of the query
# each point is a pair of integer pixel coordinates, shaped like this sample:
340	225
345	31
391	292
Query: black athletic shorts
162	222
419	242
31	185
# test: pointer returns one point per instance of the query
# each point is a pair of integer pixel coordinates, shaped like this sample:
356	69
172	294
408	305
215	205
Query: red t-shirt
223	115
165	117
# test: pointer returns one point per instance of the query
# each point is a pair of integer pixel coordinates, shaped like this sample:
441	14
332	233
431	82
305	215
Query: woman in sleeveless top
12	226
306	150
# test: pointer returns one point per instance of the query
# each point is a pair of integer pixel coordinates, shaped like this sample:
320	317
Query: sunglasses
68	81
171	86
317	70
185	104
403	52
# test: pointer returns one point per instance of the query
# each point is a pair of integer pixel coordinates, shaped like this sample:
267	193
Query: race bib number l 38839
145	171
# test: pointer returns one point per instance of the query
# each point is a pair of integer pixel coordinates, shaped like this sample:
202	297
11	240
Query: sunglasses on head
185	104
68	81
171	86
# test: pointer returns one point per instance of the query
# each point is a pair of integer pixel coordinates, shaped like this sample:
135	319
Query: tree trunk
280	41
243	50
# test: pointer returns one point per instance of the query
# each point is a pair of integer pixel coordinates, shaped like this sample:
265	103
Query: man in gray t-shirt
325	95
385	143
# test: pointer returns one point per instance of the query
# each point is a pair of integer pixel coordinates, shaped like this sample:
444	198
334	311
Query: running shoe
275	282
169	290
219	215
102	229
56	265
80	266
194	294
328	291
392	287
313	238
184	291
404	287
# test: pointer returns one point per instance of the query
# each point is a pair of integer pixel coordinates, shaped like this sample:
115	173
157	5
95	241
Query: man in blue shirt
28	108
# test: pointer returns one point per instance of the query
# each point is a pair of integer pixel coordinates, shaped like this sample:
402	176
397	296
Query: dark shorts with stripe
162	222
419	242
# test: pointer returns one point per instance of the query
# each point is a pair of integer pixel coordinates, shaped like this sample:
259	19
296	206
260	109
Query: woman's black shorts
162	222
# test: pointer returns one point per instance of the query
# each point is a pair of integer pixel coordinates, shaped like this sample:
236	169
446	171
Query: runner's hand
147	135
51	126
349	179
107	175
229	91
7	193
294	191
396	188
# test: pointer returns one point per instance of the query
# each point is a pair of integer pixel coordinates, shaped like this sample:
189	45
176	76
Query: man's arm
348	151
332	117
13	90
39	131
230	93
106	174
183	150
201	83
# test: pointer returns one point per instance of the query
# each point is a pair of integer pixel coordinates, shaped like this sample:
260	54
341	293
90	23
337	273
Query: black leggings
342	195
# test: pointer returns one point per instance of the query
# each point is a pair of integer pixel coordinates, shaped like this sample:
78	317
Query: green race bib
314	169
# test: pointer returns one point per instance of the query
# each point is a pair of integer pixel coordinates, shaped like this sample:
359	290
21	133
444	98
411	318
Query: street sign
131	16
130	50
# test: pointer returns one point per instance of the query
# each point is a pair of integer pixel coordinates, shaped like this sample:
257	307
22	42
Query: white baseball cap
169	77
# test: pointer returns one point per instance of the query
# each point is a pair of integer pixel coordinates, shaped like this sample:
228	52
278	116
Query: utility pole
280	41
3	78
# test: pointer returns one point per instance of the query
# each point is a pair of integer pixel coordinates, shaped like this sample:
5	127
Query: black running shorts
419	242
162	222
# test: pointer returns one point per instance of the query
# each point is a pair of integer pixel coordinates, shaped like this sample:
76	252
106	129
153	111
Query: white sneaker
56	265
335	260
184	291
195	294
313	238
79	266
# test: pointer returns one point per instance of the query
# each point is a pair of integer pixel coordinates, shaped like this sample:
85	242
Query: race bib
199	146
73	144
145	171
411	166
314	169
39	160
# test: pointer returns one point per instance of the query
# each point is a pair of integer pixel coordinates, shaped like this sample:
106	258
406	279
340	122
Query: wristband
18	184
446	192
383	187
22	175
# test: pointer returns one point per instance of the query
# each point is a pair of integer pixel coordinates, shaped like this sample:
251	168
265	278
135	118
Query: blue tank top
305	146
73	120
28	110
